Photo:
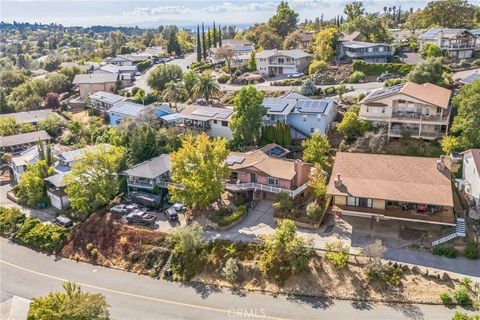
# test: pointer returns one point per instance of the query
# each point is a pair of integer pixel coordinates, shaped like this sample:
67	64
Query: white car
295	75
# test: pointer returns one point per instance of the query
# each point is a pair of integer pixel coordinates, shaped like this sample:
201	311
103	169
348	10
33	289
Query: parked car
201	102
179	207
386	77
63	221
139	216
171	213
121	208
295	75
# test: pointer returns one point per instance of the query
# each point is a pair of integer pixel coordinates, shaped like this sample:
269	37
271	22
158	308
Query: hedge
42	236
377	69
223	219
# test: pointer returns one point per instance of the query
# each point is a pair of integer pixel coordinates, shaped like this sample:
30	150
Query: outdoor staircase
165	266
459	232
302	132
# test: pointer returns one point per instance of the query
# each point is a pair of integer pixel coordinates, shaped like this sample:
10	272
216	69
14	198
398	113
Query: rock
445	276
415	270
405	267
425	272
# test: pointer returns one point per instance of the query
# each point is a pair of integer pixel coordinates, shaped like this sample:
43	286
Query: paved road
27	274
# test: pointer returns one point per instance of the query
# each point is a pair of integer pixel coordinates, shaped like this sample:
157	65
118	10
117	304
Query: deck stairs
460	232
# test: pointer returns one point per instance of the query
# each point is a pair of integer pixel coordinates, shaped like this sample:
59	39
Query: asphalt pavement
27	274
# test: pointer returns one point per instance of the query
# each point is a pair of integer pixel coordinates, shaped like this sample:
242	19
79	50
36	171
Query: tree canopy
324	43
247	118
429	71
284	21
352	126
317	150
200	169
450	13
163	74
31	188
206	86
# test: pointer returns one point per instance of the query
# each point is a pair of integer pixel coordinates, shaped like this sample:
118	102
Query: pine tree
199	46
399	13
219	36
214	35
48	155
204	44
40	150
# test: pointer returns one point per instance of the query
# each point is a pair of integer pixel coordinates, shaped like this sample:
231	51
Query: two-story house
126	74
421	111
124	108
392	188
265	173
278	62
18	143
457	43
214	121
305	116
470	182
18	164
242	48
91	83
102	101
367	51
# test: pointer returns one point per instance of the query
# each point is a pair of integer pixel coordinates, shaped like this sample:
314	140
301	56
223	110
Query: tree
318	182
219	36
248	113
308	88
324	43
354	10
214	31
374	251
175	91
73	304
8	126
430	71
206	87
172	45
31	188
204	44
115	41
190	78
56	82
352	126
432	50
226	53
252	62
10	79
285	253
317	66
268	39
230	270
52	124
163	74
52	101
93	180
371	28
52	63
284	21
142	145
200	170
450	13
465	133
293	40
199	45
317	150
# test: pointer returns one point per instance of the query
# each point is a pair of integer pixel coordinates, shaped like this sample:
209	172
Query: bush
376	69
463	316
446	251
356	76
223	78
446	298
393	82
10	220
337	254
144	65
317	66
472	251
464	63
156	257
462	297
238	73
230	270
314	210
287	82
387	274
477	62
222	218
43	236
329	91
308	88
134	256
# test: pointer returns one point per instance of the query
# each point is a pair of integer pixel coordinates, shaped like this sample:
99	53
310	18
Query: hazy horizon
183	13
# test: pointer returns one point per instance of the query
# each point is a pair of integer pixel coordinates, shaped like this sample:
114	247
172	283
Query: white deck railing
264	187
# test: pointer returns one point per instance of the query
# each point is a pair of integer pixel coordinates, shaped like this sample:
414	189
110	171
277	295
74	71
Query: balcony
285	63
149	186
417	116
415	133
264	187
364	54
460	46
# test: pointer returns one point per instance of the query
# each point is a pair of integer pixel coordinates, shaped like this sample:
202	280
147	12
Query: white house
470	182
457	43
213	121
277	62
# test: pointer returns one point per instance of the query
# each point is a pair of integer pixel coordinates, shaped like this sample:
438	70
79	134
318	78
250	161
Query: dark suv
142	217
171	214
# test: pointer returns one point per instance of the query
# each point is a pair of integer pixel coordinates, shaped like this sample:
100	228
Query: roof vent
338	181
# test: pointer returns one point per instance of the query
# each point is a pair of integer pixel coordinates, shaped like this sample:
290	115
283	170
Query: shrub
464	63
393	82
329	91
308	88
144	65
10	220
446	251
361	96
356	76
337	254
463	316
317	66
223	218
462	297
446	298
477	62
387	274
134	256
42	236
230	270
314	210
287	82
238	73
155	257
223	78
376	69
465	282
472	251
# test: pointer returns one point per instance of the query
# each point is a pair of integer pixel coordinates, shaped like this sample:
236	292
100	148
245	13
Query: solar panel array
234	159
275	105
212	112
315	106
276	151
386	91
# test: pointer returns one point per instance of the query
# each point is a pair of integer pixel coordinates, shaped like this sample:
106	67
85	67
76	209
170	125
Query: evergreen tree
214	35
219	36
199	46
209	42
204	44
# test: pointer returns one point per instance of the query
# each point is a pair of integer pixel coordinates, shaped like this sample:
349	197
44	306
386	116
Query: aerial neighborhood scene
240	160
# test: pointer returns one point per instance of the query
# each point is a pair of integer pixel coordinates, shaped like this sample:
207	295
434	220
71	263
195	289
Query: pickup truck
142	217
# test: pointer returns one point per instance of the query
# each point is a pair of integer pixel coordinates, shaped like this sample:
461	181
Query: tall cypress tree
199	45
214	35
209	39
219	36
204	44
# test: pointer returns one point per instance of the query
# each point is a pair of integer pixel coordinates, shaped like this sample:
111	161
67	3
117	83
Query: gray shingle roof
295	53
150	169
361	44
56	179
18	139
29	116
107	97
95	78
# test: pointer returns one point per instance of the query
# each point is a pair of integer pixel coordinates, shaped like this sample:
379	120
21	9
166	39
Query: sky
180	12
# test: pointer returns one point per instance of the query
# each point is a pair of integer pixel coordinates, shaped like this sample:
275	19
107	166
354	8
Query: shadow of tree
362	305
201	289
315	303
409	310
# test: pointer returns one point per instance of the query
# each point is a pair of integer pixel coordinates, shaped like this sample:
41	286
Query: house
403	35
304	115
91	83
19	143
119	61
349	50
457	43
476	33
124	108
242	48
18	164
56	191
66	160
31	117
149	177
306	40
102	101
264	173
471	78
392	187
213	121
87	67
470	182
126	74
277	62
421	111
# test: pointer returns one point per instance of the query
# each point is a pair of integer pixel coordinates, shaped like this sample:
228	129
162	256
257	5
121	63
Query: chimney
299	170
441	163
338	181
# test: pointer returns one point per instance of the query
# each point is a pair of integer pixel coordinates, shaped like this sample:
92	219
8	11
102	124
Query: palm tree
206	86
175	91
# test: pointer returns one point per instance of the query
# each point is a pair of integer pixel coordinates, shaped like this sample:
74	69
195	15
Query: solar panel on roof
275	105
234	159
276	151
317	106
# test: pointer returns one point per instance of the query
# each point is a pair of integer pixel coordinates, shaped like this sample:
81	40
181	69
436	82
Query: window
359	202
224	124
215	121
281	60
304	118
351	201
312	130
273	181
319	117
383	110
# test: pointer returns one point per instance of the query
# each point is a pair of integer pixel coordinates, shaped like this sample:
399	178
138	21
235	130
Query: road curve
28	274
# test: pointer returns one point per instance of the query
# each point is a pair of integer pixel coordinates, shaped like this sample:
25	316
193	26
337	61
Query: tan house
420	111
278	62
91	83
264	173
392	187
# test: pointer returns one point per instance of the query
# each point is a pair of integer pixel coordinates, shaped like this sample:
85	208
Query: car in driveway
295	75
171	214
121	208
63	221
385	77
179	207
142	217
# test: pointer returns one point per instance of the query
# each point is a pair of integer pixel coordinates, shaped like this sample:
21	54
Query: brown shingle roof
428	92
388	177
